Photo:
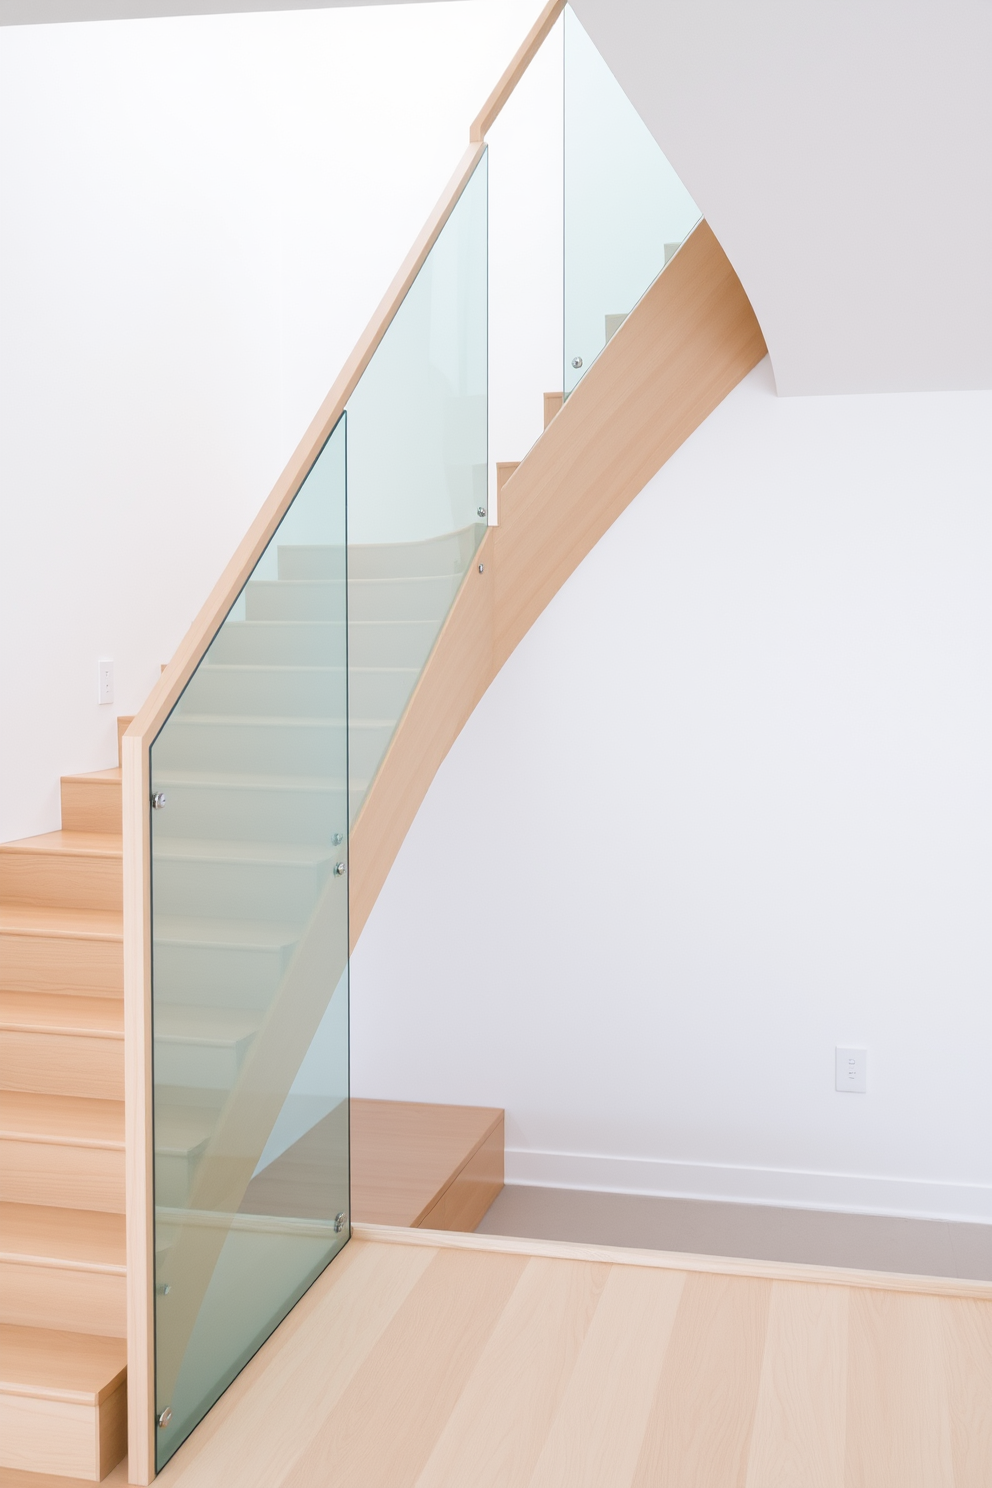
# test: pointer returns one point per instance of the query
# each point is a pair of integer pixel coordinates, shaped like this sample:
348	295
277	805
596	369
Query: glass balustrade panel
417	477
626	213
250	962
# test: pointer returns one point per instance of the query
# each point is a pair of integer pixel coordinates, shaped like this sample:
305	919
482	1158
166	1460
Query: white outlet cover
851	1071
105	683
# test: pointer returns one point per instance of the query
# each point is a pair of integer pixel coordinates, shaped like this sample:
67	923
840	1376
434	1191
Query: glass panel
250	962
626	211
417	456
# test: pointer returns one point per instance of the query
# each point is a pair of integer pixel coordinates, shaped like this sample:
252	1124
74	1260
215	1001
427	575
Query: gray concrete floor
922	1247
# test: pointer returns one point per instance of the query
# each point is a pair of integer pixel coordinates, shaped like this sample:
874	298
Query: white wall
198	217
842	154
728	806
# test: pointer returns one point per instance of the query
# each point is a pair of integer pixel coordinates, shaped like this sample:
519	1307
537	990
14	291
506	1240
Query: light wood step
62	1268
416	1164
72	870
552	405
92	803
62	1045
63	1402
47	949
62	1151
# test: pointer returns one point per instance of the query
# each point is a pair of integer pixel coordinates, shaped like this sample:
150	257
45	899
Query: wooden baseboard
667	1260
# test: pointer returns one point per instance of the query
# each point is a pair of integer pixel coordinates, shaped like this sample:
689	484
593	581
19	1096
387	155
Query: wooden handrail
519	65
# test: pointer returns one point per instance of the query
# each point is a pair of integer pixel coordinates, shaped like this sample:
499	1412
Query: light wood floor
426	1363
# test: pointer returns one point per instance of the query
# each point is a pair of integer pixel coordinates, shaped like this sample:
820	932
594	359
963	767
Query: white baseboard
852	1193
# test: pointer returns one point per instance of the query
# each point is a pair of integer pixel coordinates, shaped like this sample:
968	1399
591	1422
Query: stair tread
55	1012
70	844
78	1367
99	777
84	1239
49	920
68	1120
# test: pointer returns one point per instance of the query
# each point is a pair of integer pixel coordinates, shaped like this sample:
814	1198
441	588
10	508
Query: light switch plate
852	1071
105	685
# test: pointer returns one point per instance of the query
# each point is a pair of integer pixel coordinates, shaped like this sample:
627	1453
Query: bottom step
63	1402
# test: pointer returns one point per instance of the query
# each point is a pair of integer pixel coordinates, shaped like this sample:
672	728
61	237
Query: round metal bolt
340	868
340	1220
482	568
576	362
338	838
481	510
158	800
165	1417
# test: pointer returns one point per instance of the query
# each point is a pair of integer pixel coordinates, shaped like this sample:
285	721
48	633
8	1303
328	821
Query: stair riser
250	813
372	643
63	1298
62	1064
91	807
61	880
258	748
40	963
190	1066
382	599
276	692
237	891
66	1177
58	1437
280	692
217	976
440	555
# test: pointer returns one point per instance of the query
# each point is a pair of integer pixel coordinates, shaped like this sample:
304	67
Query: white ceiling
33	12
841	150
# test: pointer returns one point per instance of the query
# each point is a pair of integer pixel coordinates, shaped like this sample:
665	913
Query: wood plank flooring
430	1365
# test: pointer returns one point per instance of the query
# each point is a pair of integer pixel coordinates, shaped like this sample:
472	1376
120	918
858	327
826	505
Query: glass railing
417	475
271	750
254	776
626	213
250	962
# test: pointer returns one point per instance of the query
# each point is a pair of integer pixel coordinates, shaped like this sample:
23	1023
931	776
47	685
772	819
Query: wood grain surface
419	1366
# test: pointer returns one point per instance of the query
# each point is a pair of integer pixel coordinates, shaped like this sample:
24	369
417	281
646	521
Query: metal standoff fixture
158	800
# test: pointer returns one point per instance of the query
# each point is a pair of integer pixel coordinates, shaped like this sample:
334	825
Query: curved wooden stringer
677	355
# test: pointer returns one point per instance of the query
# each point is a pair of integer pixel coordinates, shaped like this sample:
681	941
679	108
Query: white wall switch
852	1070
106	684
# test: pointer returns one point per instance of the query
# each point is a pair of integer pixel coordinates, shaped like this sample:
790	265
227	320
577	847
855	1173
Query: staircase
62	1240
62	1253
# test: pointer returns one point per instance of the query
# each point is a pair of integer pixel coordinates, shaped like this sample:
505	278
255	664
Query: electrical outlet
851	1071
105	692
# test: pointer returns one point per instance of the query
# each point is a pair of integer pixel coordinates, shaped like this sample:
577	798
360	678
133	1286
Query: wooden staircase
62	1253
63	1314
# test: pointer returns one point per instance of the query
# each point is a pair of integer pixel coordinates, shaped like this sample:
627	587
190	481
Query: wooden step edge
61	1030
44	1139
65	844
61	1014
107	778
64	1394
61	1263
55	931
